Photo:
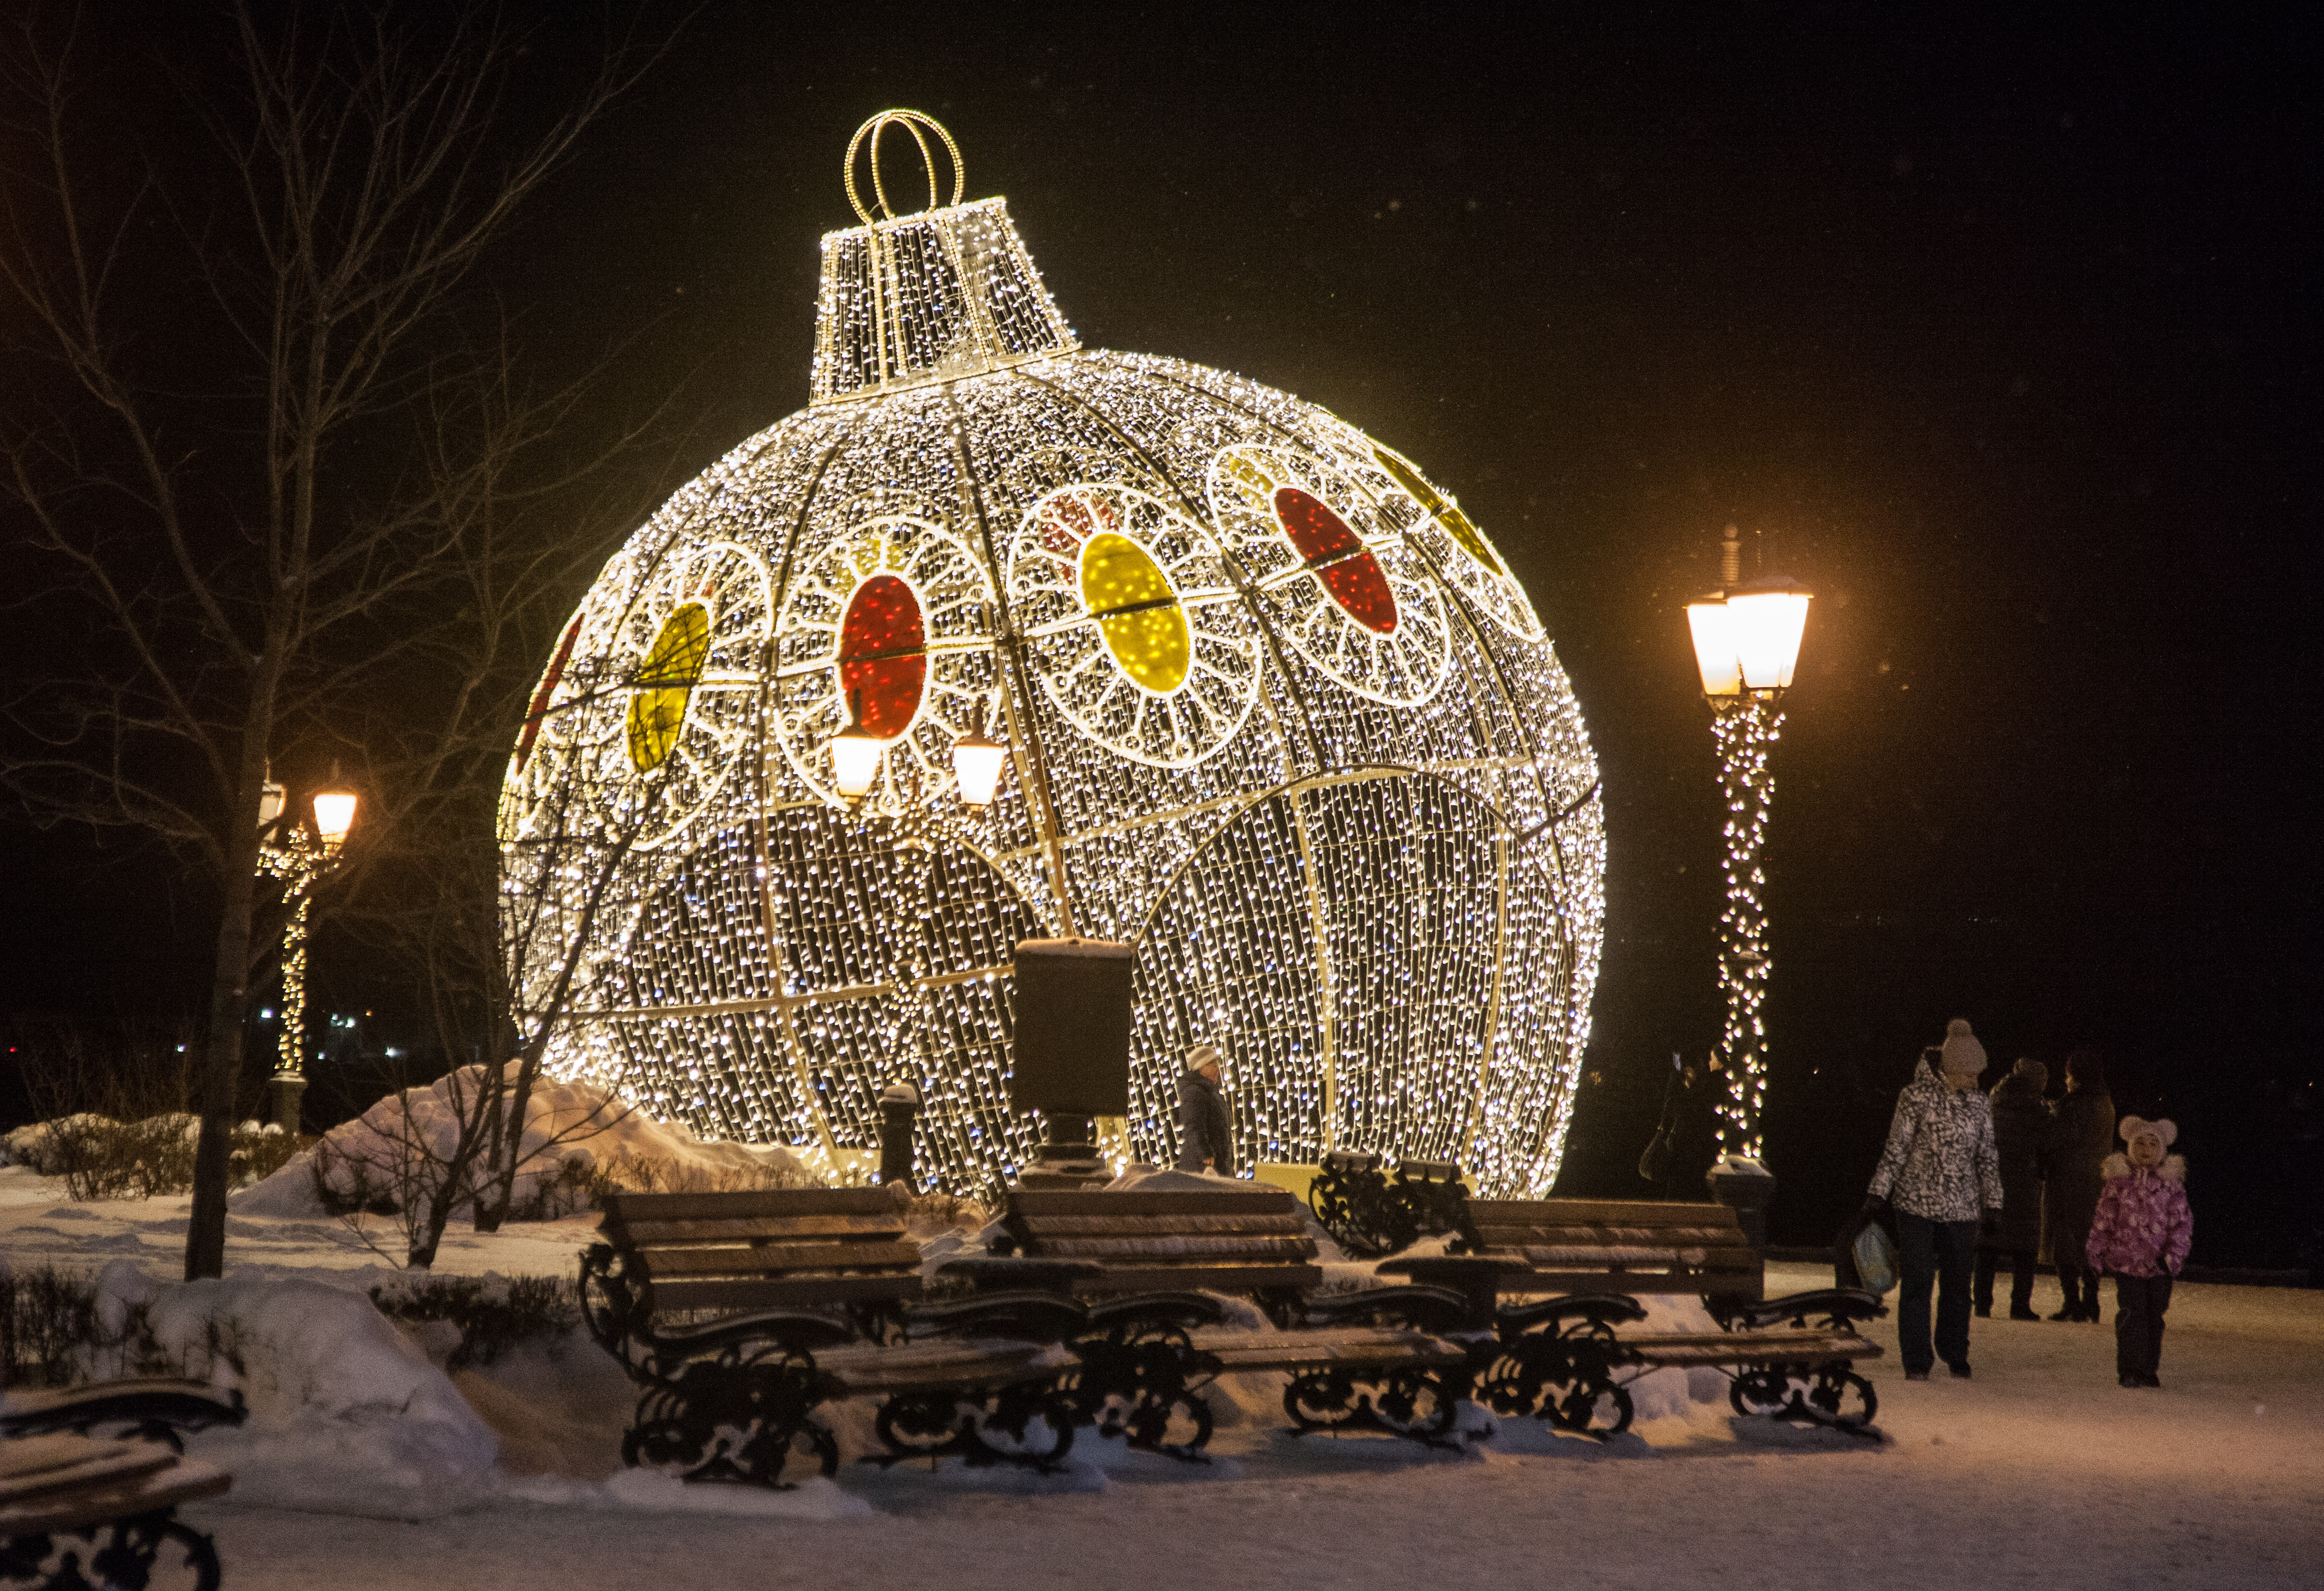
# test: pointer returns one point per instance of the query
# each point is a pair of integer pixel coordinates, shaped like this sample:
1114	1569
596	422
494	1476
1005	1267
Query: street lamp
855	754
1747	646
288	851
977	760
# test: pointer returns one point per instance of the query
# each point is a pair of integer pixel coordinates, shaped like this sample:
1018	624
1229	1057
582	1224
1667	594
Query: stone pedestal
899	1109
1748	1188
1068	1157
284	1090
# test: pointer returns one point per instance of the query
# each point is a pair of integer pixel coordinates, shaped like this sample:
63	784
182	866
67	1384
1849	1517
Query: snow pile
40	1145
573	1132
346	1414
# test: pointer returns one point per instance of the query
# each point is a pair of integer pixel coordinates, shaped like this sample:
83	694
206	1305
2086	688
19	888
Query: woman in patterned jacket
1940	1170
2141	1236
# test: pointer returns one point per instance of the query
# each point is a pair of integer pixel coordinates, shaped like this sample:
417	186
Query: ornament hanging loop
918	126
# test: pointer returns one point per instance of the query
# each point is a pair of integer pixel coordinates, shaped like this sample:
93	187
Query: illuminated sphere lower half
1278	715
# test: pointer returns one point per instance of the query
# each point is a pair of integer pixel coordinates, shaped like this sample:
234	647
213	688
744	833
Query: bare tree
237	455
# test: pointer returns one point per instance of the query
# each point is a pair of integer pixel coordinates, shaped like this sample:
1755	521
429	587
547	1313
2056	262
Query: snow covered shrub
631	1172
103	1159
493	1313
55	1330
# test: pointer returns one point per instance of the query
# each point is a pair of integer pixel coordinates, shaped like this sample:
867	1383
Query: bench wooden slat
1271	1201
1590	1212
937	1367
177	1480
624	1208
1053	1226
1165	1248
1648	1236
1623	1257
660	1233
773	1258
1545	1283
769	1293
1226	1279
96	1464
1679	1352
1239	1350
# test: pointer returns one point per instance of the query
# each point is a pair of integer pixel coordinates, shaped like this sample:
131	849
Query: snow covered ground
2040	1471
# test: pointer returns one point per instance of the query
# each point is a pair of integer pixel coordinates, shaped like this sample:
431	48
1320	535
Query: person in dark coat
2082	1136
1205	1131
2021	1133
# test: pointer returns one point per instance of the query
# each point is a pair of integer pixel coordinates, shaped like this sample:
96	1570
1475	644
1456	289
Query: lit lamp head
335	813
855	754
1747	640
270	802
977	761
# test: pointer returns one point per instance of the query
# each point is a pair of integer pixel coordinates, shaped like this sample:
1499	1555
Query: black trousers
2021	1279
2139	1303
1927	1249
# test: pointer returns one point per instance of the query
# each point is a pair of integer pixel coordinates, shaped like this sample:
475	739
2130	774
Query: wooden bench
1152	1264
738	1314
1569	1358
126	1493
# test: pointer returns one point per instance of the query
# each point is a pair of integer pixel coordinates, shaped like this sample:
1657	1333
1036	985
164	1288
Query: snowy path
2039	1472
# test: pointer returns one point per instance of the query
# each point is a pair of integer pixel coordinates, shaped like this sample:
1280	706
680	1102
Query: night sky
1999	335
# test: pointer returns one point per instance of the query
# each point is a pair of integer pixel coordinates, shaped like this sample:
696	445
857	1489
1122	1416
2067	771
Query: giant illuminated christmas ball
1278	714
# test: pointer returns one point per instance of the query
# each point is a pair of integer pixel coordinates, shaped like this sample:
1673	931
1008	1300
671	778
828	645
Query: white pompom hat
2133	1128
1963	1055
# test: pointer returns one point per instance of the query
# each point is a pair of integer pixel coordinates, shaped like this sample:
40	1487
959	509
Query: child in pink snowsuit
2140	1236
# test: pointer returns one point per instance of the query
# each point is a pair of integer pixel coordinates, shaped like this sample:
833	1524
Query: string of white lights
1746	727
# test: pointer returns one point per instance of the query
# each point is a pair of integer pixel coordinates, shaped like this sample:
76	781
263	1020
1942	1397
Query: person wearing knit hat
1941	1172
1206	1130
2141	1235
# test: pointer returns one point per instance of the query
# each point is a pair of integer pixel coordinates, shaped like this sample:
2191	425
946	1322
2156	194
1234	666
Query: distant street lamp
288	851
1746	645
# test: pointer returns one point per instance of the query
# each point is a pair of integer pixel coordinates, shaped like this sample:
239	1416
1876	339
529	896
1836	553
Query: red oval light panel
1340	561
883	657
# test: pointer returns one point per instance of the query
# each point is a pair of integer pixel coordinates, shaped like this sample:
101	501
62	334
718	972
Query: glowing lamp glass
334	814
1766	627
270	802
1713	628
855	754
977	761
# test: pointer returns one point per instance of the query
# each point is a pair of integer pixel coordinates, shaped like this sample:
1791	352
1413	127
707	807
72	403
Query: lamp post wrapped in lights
1746	645
288	851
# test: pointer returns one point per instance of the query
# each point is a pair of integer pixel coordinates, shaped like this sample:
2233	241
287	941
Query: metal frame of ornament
955	601
1066	647
1355	655
1495	591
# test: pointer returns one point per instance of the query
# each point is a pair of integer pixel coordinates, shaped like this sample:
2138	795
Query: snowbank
571	1131
346	1414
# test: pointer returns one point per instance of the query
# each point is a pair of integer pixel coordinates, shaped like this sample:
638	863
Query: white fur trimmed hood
2173	1168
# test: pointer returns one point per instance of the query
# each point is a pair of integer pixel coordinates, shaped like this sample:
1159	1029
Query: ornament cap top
936	294
919	125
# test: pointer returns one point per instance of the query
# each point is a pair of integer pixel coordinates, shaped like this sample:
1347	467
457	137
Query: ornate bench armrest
1026	1315
156	1409
1156	1309
1599	1311
1420	1306
1839	1307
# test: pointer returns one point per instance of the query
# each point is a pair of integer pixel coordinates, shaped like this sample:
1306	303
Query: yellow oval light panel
1137	611
1453	521
665	683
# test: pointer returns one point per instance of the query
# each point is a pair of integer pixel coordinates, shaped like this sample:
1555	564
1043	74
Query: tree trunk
229	990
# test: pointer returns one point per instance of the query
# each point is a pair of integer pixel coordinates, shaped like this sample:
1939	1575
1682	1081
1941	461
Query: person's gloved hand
1989	1224
1874	1208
